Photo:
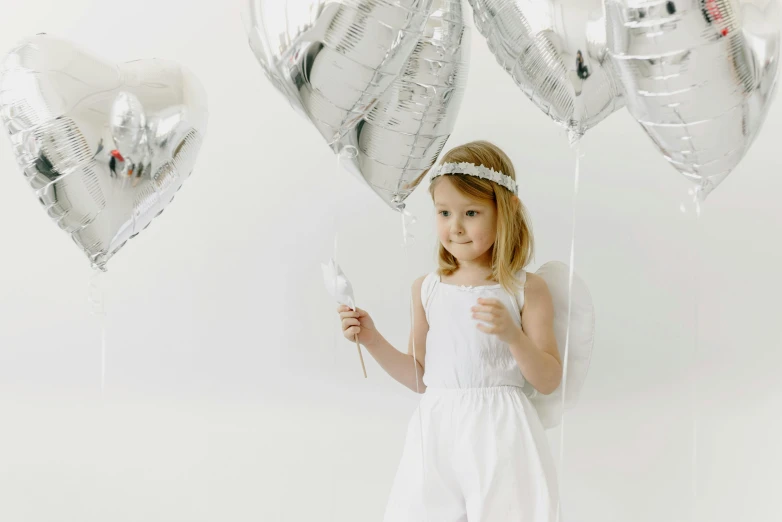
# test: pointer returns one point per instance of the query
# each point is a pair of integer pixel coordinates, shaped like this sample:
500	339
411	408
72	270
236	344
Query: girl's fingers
350	321
484	308
486	329
353	331
488	318
488	301
346	311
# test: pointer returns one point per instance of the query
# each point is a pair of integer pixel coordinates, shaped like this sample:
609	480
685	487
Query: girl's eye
443	213
472	213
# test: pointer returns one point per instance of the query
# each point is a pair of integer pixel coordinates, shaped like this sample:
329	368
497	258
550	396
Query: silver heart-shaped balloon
402	136
104	146
333	59
555	51
699	76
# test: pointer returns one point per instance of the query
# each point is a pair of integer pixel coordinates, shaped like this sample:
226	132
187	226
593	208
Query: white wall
229	394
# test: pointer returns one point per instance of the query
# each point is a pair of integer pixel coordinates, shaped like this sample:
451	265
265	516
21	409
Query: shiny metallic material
402	136
104	146
333	59
699	77
555	51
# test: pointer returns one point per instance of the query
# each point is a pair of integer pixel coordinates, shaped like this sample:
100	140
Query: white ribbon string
561	459
95	299
696	195
407	239
338	340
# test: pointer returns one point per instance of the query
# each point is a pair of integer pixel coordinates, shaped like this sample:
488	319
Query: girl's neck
481	265
472	275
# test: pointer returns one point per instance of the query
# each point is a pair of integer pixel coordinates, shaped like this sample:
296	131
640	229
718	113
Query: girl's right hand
359	323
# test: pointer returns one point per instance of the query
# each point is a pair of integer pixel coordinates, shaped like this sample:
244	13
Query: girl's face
466	227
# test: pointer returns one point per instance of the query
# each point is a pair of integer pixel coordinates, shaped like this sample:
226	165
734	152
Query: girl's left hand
500	322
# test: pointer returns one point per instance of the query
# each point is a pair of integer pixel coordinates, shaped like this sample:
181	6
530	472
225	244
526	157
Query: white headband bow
479	171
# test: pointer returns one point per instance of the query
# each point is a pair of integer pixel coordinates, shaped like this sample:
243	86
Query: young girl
476	450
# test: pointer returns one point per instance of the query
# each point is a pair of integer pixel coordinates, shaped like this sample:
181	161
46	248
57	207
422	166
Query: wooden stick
361	356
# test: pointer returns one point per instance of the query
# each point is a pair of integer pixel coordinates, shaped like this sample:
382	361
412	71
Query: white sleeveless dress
475	450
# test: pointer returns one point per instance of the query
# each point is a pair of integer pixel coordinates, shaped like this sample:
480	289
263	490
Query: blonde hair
514	245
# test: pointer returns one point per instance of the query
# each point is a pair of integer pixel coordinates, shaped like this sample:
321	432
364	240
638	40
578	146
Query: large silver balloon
402	136
104	146
333	59
699	77
555	51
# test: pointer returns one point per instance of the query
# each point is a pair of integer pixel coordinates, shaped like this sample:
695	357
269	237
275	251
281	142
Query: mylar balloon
334	59
699	77
402	136
104	146
555	51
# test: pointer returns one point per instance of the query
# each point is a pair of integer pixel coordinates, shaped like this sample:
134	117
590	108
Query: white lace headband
479	171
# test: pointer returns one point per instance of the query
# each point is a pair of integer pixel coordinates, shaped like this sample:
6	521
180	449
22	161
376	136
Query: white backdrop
229	394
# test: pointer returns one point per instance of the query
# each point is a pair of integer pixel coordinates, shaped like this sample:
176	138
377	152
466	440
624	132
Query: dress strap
518	299
427	290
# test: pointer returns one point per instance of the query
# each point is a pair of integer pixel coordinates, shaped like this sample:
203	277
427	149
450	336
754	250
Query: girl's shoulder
425	282
534	281
426	279
536	289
